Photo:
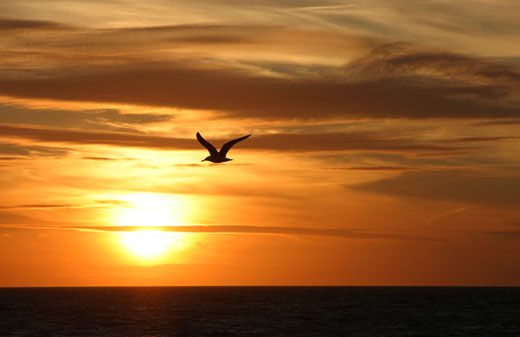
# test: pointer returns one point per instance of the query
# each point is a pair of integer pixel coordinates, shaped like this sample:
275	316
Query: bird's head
207	158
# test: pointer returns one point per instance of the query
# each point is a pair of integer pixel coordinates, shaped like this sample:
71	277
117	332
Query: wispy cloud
16	24
278	142
101	119
31	150
454	186
372	168
334	232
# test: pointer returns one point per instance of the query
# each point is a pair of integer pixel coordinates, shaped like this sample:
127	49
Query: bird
218	156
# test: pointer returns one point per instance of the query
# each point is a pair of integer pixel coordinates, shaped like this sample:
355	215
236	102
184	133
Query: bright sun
150	210
147	243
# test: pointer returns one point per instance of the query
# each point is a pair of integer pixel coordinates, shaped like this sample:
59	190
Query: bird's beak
202	160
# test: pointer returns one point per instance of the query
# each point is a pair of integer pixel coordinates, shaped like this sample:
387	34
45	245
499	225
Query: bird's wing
225	148
207	145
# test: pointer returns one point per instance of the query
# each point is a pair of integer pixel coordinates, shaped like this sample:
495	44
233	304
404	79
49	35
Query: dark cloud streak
278	142
102	119
31	151
241	95
41	25
38	206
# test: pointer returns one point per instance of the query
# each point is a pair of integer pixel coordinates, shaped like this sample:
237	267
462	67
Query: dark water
260	311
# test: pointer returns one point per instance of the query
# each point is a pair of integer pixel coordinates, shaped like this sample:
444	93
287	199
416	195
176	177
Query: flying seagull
218	156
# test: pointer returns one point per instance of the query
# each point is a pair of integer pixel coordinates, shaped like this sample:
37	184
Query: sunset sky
385	145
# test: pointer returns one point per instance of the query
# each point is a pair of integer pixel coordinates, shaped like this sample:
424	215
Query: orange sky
385	146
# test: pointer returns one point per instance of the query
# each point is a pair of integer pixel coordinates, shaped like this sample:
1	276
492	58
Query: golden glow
149	210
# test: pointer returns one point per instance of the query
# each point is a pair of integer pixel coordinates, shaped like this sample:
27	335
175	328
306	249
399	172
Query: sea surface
260	311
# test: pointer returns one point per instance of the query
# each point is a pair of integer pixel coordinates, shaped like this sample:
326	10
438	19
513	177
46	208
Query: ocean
260	311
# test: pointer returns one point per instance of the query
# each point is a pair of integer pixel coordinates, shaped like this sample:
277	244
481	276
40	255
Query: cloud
510	235
225	43
460	17
10	158
86	137
513	122
396	80
460	25
38	206
240	95
334	232
100	158
277	142
482	139
453	186
372	168
189	33
16	24
31	151
342	142
101	119
399	59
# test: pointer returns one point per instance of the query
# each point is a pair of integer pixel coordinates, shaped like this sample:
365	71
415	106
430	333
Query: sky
384	148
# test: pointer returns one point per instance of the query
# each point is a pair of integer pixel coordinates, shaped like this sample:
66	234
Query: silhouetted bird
218	156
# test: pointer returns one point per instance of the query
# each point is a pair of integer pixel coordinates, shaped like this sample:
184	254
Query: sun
150	210
149	243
